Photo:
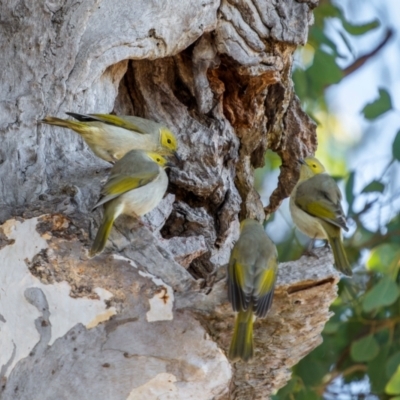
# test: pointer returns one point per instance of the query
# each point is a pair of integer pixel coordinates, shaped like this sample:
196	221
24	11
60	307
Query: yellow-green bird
252	272
136	185
315	205
111	136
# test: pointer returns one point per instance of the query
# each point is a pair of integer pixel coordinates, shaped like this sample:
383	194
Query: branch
377	239
348	371
363	59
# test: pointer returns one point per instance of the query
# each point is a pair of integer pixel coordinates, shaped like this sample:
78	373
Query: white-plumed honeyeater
110	137
252	272
315	205
137	183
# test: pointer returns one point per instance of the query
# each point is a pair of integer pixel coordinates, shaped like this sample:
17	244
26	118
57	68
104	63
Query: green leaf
347	43
290	249
393	386
307	394
324	11
351	330
361	236
395	398
379	106
272	159
396	147
376	370
385	259
383	294
314	373
393	228
323	72
392	363
286	390
374	186
365	349
301	84
384	335
331	327
317	37
357	30
349	190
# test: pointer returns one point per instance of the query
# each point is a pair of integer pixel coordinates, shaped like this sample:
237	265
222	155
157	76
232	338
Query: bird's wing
127	122
236	279
82	117
265	284
320	197
120	184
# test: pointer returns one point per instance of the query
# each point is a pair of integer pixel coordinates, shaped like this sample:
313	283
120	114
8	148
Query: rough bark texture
219	74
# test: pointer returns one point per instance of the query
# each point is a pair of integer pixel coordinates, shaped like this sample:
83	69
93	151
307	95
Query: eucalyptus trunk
149	317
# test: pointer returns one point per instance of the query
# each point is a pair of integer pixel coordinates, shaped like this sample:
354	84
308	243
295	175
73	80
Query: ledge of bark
304	291
159	326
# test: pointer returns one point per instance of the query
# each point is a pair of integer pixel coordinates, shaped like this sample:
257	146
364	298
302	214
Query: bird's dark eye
169	141
158	160
314	166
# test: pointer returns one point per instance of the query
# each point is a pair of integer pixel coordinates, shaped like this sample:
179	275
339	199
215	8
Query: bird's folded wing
263	304
323	209
320	197
120	122
236	278
266	284
82	117
118	185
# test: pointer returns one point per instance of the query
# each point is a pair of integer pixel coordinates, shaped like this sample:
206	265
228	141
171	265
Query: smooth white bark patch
122	258
171	360
19	315
162	302
160	387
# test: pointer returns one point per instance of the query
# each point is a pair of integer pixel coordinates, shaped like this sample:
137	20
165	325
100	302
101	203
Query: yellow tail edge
242	346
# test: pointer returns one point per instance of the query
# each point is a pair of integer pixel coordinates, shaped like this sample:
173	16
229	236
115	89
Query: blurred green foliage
361	342
379	106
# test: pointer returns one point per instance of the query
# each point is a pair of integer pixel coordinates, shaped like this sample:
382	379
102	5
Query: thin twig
377	239
363	59
333	375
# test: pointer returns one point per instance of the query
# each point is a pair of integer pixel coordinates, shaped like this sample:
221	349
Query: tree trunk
149	317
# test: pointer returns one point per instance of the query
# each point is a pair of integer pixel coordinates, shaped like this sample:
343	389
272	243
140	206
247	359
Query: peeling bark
217	73
142	322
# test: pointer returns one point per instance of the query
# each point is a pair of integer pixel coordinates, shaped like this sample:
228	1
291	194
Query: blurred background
348	80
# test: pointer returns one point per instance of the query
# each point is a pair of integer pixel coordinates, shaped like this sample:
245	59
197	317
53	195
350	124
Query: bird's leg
309	251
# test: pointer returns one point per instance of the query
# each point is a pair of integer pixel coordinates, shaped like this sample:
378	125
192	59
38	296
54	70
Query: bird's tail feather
76	126
341	262
103	232
242	340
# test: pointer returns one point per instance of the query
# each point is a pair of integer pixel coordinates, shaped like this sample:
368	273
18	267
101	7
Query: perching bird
136	185
110	136
315	205
252	274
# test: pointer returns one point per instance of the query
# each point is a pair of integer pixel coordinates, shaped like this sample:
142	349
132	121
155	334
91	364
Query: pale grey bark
219	74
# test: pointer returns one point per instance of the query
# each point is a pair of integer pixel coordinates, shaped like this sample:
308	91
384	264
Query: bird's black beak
169	164
301	161
176	155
